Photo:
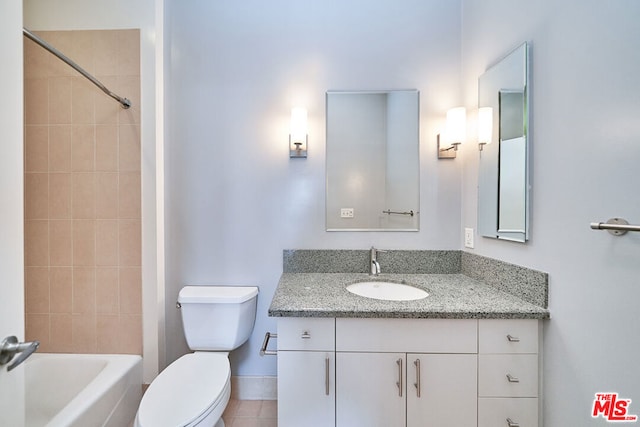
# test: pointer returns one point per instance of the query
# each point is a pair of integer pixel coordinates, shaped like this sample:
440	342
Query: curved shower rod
123	101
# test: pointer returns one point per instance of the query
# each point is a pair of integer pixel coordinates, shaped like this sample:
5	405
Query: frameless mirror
373	166
503	182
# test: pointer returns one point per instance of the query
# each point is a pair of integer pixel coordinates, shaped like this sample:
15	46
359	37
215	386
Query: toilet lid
185	390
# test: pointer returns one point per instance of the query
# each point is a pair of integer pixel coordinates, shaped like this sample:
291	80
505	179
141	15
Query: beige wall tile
60	195
107	242
36	196
107	290
129	148
37	329
84	290
61	333
128	52
37	289
83	101
129	195
83	330
60	100
86	148
36	148
107	195
106	148
36	243
130	242
106	42
131	334
83	148
35	59
83	199
131	290
60	148
61	285
84	242
60	242
108	333
36	94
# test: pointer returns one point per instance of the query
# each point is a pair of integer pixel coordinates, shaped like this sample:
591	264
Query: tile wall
82	194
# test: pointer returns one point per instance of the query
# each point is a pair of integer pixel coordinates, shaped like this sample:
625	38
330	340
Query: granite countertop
451	296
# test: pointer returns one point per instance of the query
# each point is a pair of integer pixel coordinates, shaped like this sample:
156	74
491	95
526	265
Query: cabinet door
441	390
306	389
370	390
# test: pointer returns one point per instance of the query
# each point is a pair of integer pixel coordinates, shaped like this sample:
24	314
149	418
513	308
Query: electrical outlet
468	238
346	213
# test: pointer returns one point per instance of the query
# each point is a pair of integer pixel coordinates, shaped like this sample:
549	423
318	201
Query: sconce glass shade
298	133
456	127
485	125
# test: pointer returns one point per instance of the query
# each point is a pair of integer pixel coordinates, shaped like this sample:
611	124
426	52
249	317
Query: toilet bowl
195	389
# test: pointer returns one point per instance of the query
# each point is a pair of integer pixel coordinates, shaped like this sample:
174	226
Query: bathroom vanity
466	355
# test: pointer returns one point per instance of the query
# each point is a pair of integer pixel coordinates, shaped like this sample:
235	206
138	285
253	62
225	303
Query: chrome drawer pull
512	423
417	383
305	335
512	379
326	376
511	338
399	383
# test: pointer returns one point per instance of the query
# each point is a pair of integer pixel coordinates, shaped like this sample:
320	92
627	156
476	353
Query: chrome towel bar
615	226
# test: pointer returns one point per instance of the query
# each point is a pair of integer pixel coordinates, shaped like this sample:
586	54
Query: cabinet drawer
407	335
495	412
494	371
508	336
306	333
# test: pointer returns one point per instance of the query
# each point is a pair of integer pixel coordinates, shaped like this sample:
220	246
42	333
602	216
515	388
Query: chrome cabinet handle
512	379
512	423
511	338
305	335
417	383
326	376
399	383
265	343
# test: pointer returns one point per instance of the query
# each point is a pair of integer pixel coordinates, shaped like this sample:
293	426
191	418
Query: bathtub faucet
10	346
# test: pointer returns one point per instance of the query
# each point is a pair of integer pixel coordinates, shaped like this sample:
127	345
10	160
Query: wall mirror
503	182
373	164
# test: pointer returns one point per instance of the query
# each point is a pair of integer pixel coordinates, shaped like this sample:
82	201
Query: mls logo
612	409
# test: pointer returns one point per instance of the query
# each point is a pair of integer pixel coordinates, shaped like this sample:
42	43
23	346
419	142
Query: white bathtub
82	390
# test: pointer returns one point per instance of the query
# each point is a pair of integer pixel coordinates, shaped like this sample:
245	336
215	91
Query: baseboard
254	388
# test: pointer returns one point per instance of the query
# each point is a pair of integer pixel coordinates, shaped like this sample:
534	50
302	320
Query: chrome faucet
374	266
10	346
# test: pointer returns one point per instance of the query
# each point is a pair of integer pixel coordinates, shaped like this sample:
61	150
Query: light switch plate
468	238
346	213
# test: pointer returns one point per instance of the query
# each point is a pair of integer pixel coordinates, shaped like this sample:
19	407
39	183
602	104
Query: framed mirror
373	163
503	182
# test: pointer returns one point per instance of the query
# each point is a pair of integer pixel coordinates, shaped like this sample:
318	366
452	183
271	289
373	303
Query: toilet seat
187	391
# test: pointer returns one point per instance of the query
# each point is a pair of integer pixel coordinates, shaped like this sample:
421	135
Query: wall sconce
454	133
485	126
298	137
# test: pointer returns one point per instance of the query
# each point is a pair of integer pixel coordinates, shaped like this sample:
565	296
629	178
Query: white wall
234	199
122	14
586	148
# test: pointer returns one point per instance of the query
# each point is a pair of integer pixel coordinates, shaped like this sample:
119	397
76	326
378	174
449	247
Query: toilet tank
217	318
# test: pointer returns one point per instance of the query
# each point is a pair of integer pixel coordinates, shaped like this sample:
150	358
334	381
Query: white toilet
194	390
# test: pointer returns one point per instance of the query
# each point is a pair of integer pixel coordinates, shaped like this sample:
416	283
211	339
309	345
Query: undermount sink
387	291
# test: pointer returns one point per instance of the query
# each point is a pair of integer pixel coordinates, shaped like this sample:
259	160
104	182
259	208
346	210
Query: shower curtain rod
123	101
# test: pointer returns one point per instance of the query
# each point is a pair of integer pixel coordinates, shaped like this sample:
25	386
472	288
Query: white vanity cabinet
508	373
306	372
370	372
406	372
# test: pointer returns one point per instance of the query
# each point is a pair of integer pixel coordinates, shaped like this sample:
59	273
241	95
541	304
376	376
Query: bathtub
81	390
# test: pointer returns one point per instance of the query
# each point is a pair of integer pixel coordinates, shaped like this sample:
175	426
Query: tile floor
251	413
